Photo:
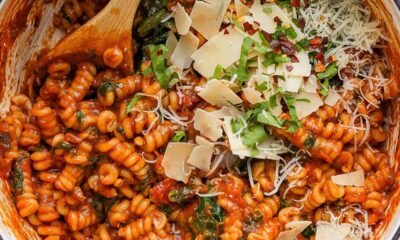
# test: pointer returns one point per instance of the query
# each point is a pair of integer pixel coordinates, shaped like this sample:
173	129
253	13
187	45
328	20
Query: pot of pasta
242	119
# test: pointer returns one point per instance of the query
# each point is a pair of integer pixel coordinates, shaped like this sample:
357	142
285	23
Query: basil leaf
180	136
253	135
132	103
268	118
80	116
242	74
329	73
158	55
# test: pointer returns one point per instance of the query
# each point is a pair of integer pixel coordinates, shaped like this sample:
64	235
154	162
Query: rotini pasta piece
107	121
113	57
375	205
255	196
150	85
108	174
82	218
332	191
30	136
232	227
68	177
264	173
55	228
299	180
269	207
52	88
46	119
59	69
170	100
383	178
123	88
288	214
138	123
23	102
105	190
119	213
125	156
154	222
266	231
315	199
141	206
102	233
156	138
25	192
47	211
83	80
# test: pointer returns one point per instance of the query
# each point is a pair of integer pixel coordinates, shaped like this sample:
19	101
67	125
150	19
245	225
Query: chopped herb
262	87
80	116
95	159
158	55
63	145
294	123
242	74
283	204
208	216
267	10
291	33
329	73
256	215
108	86
237	124
275	58
219	72
268	118
147	71
238	24
309	142
18	177
102	205
120	129
302	45
324	88
132	103
182	194
253	135
308	232
264	40
165	208
180	136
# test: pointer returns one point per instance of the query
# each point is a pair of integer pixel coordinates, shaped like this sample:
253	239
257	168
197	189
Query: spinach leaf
180	136
208	216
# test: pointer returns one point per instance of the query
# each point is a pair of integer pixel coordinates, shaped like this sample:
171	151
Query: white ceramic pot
25	28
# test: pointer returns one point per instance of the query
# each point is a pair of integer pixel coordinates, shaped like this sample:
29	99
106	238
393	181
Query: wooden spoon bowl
110	27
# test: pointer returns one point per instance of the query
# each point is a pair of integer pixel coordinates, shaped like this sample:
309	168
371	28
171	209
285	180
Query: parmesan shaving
303	108
201	157
207	124
182	20
252	95
217	94
175	161
241	9
296	228
293	83
223	49
207	16
186	46
331	231
332	98
350	179
171	43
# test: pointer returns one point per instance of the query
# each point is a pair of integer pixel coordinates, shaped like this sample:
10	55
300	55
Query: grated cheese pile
347	24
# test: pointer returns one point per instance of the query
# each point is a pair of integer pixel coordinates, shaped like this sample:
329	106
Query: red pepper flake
267	35
294	59
257	23
302	23
289	67
249	28
226	32
316	41
277	20
320	56
295	3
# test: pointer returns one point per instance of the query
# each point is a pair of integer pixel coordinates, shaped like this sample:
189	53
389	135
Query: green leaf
330	72
180	136
262	87
302	45
108	86
95	159
208	216
267	10
237	124
308	232
219	72
274	58
147	71
268	118
324	88
132	103
291	33
80	116
253	135
237	24
158	55
263	39
18	175
242	74
309	142
63	145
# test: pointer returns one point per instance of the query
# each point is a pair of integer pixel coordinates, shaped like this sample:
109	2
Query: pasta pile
86	155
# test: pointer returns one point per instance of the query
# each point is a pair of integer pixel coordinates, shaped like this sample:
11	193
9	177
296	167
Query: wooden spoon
110	27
